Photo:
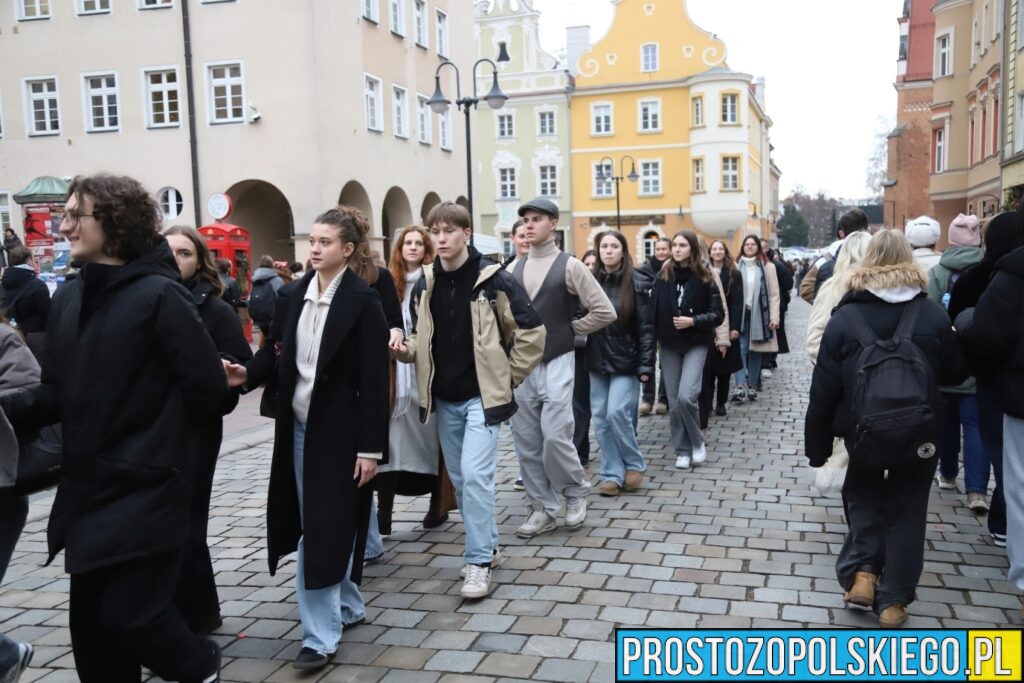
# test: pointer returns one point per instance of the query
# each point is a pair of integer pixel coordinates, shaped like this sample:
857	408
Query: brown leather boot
893	616
862	593
634	480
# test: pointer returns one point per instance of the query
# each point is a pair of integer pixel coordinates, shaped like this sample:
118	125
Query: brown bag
443	499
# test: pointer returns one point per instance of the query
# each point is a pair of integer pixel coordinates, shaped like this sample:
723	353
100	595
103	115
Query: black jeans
122	618
709	393
886	518
990	426
647	393
196	596
581	407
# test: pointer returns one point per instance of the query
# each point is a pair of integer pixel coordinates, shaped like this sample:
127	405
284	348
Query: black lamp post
632	177
495	99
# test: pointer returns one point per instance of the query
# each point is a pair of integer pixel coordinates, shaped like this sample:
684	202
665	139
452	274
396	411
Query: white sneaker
496	560
766	374
683	462
947	484
700	454
538	523
478	582
575	512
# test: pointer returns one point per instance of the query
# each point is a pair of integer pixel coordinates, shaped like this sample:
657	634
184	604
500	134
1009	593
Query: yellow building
657	108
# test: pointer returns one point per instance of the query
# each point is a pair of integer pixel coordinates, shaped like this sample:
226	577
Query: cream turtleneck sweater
580	282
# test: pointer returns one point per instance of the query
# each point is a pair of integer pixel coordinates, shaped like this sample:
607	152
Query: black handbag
39	464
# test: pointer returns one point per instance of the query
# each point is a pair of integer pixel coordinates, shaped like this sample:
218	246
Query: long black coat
348	415
830	408
732	284
994	338
127	367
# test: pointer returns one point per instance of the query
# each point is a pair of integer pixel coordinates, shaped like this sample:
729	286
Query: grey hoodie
261	274
18	369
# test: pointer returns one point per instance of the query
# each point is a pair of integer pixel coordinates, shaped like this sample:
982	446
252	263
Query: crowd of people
396	378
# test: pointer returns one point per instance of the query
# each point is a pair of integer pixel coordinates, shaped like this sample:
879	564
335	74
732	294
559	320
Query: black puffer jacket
700	301
830	408
994	339
628	349
27	299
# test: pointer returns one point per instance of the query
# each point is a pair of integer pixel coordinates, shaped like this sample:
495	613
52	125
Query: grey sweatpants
684	375
542	429
1013	491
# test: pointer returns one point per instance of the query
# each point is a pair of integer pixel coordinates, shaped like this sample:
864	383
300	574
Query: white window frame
541	115
82	12
593	119
984	26
552	181
421	23
508	187
975	43
396	20
167	216
400	111
949	36
446	130
424	120
1018	129
87	95
647	65
601	189
510	134
997	19
443	29
725	179
698	110
649	243
653	114
1	121
210	105
657	180
5	210
735	120
940	151
29	99
698	175
374	122
158	4
148	90
371	10
19	10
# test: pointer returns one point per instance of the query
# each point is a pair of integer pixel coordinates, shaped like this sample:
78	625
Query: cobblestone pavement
742	541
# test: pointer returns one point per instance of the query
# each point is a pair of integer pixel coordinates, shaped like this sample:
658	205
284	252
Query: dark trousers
886	517
990	426
647	395
196	596
581	407
709	393
13	514
122	618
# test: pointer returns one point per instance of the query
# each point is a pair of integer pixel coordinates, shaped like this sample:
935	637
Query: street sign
219	206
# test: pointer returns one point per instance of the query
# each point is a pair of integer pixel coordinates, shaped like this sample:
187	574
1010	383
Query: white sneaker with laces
496	560
700	454
478	582
536	524
683	462
575	512
766	374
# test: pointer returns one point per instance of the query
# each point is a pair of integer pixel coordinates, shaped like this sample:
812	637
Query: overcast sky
829	69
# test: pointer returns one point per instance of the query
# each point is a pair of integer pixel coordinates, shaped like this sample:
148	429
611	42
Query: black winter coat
625	349
224	327
385	288
701	301
27	299
785	276
127	367
732	283
348	415
830	408
994	338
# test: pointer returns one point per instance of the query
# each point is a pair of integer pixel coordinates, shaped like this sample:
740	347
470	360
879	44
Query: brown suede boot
862	593
893	616
634	480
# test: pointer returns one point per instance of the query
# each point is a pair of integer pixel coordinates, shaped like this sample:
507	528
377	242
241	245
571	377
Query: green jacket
954	260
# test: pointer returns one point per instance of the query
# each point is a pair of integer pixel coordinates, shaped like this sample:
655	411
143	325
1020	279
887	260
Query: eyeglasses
72	218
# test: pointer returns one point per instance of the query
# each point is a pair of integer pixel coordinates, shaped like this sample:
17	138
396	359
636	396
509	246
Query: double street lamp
495	99
603	177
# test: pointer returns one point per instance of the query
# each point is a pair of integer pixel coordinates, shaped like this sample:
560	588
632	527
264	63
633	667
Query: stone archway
396	215
263	210
354	194
431	200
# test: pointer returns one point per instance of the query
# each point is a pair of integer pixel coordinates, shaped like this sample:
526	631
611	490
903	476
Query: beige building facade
295	106
966	110
1013	105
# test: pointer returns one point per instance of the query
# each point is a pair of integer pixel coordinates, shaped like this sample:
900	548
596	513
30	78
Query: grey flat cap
542	205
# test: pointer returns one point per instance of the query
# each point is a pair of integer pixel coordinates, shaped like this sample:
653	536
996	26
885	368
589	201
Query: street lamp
602	177
495	99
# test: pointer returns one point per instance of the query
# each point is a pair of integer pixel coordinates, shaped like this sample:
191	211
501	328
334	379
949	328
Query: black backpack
896	397
261	302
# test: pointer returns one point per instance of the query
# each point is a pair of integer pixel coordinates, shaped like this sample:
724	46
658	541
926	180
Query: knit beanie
923	232
965	231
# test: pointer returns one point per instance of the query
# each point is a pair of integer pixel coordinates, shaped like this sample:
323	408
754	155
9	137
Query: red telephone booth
231	242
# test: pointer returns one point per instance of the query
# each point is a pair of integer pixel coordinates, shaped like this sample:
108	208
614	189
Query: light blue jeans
470	450
613	402
750	374
374	541
324	610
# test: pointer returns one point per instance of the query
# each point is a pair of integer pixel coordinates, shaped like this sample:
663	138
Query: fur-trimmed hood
901	275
